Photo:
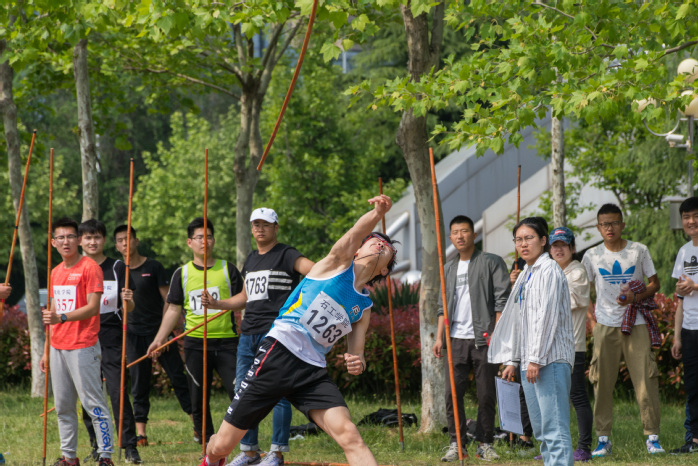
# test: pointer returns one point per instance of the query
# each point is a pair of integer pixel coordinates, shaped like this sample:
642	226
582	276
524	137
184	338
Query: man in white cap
270	274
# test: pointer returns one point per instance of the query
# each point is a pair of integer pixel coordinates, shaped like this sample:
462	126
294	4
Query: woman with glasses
535	331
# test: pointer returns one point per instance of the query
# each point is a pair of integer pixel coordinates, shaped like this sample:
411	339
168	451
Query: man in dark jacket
477	288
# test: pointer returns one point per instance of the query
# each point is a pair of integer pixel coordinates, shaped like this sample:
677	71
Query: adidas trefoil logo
616	275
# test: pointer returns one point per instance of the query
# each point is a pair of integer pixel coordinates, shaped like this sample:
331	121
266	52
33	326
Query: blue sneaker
603	448
653	446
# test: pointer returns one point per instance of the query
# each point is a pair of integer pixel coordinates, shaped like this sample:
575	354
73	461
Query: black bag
388	418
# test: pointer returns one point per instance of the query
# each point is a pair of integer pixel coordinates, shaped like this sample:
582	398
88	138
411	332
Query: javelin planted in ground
518	213
392	339
19	214
204	418
47	347
447	330
297	71
125	312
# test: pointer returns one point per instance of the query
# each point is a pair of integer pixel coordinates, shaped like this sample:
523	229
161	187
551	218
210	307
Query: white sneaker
451	453
486	453
603	448
653	446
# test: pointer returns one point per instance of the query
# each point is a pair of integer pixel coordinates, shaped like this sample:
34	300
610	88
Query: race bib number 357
325	320
64	298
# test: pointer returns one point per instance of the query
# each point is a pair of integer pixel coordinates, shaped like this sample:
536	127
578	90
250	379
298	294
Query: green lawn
171	438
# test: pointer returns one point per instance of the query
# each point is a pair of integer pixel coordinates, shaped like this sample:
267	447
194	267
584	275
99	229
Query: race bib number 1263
325	320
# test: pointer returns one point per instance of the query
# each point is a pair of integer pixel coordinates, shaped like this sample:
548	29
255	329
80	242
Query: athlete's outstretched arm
342	253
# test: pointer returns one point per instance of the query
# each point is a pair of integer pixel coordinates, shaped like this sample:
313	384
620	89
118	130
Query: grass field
171	436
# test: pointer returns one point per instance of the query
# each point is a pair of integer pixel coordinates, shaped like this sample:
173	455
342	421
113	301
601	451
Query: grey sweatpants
76	373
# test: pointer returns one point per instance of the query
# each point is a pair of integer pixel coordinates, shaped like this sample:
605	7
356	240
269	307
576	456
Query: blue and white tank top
317	314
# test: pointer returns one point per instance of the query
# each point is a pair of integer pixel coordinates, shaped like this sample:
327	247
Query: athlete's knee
348	437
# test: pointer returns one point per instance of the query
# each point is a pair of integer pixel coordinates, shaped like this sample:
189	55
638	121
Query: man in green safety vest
223	280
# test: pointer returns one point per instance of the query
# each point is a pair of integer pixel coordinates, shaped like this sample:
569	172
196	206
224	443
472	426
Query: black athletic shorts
277	373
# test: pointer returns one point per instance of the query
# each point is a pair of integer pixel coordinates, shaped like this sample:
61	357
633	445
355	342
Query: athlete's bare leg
336	422
221	444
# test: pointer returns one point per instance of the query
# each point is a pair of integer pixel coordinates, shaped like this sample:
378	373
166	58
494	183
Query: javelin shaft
204	417
392	340
19	214
127	276
181	335
445	306
47	347
296	72
518	213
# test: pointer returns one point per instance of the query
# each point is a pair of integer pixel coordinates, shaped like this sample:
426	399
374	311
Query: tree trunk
558	163
412	138
248	152
31	275
86	133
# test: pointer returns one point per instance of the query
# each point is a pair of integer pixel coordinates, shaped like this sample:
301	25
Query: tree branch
560	12
186	78
437	34
241	50
271	45
677	48
292	33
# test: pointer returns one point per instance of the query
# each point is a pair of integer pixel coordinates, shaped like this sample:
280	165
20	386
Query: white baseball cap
264	213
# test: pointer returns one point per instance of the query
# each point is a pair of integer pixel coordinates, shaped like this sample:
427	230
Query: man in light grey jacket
477	288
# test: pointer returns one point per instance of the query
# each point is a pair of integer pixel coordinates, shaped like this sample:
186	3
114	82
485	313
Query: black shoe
92	457
132	456
523	444
106	462
688	447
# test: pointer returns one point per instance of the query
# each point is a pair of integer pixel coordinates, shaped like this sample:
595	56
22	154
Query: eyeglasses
607	225
525	239
384	243
62	239
201	238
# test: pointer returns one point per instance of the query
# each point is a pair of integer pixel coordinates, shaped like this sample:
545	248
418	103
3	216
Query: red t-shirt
69	290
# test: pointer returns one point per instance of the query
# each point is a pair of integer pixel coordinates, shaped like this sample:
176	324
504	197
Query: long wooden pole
181	335
19	214
392	340
447	326
125	312
516	253
518	213
47	347
205	386
296	72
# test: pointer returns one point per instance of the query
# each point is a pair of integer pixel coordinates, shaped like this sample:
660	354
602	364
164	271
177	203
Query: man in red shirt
76	291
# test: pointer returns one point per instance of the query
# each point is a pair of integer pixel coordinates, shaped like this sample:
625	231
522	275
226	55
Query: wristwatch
64	318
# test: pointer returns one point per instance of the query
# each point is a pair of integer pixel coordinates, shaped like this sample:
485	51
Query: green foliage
589	60
326	163
402	295
171	193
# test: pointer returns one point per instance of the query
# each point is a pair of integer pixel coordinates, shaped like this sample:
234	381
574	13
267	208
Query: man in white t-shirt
477	287
610	266
685	344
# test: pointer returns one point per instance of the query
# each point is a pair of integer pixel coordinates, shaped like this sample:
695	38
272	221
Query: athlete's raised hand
381	204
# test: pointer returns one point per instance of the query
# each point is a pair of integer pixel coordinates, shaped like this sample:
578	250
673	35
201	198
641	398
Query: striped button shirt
537	318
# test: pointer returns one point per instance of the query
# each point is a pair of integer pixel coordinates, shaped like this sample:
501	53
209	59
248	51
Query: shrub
402	295
379	378
15	352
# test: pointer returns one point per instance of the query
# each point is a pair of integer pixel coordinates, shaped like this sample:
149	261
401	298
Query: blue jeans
548	402
281	418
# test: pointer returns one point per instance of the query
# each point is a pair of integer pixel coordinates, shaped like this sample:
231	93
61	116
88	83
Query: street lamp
688	67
